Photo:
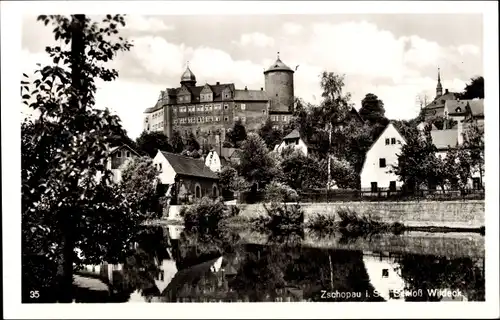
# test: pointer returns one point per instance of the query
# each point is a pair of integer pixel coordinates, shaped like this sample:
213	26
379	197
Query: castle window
283	118
226	107
387	141
198	119
175	121
393	140
217	107
243	106
217	119
207	119
119	154
264	111
202	119
226	119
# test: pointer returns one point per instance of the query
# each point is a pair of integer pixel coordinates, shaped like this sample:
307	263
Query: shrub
321	222
204	215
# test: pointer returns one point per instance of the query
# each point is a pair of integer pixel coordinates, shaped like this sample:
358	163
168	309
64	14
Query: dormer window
458	109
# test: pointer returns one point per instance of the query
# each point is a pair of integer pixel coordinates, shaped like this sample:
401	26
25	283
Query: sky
395	56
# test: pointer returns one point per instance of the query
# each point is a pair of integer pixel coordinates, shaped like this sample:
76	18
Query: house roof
444	139
188	166
250	95
355	112
440	101
476	106
112	150
293	135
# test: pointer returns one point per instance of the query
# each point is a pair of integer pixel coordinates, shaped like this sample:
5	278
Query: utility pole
329	160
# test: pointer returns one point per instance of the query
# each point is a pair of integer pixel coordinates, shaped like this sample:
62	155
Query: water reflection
172	265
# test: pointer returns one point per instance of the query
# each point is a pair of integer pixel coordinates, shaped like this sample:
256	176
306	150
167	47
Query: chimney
445	91
246	88
460	132
217	83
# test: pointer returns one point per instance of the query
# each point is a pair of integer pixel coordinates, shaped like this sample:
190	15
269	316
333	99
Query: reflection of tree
265	269
140	269
430	272
196	247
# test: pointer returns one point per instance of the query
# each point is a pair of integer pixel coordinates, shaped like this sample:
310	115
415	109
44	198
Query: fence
342	195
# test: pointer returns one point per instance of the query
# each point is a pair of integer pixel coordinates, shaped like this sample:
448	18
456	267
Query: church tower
439	87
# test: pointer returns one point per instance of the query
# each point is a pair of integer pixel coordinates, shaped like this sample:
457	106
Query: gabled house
229	155
185	178
465	110
375	174
293	139
118	157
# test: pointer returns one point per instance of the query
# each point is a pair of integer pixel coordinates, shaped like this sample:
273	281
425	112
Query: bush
204	215
281	217
321	222
351	223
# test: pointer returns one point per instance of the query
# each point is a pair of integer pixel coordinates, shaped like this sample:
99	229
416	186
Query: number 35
34	294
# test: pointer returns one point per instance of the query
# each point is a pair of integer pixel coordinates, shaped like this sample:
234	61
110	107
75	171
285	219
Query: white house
379	159
186	177
212	161
292	139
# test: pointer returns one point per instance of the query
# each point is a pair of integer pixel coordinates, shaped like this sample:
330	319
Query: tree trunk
67	219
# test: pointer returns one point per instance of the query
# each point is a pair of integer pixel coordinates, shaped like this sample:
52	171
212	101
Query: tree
418	163
301	172
256	164
149	143
474	144
270	135
237	134
372	109
192	144
139	185
64	206
229	180
474	89
335	104
343	173
176	142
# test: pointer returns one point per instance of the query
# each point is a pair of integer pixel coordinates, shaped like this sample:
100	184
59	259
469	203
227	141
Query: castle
437	106
210	110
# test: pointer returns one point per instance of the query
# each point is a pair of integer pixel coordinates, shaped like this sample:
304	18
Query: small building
186	178
293	139
213	161
465	110
118	157
376	172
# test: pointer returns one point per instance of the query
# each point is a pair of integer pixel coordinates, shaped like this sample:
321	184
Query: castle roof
441	100
278	66
188	76
250	95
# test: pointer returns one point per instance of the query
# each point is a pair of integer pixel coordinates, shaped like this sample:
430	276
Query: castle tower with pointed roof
279	87
188	78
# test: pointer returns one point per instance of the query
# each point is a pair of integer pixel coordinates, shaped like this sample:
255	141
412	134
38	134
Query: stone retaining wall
453	214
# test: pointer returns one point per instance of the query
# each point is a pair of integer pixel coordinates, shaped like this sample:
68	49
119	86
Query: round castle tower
279	86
